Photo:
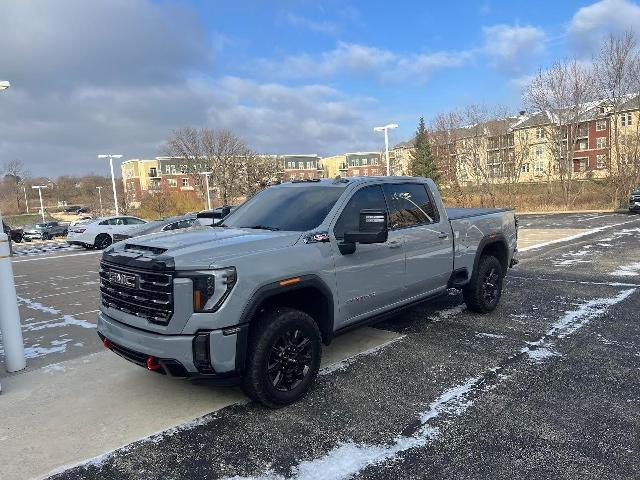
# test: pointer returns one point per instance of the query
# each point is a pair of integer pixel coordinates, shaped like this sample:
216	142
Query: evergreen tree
422	163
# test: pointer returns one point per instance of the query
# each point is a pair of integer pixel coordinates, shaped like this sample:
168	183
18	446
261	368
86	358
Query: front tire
283	358
482	293
102	241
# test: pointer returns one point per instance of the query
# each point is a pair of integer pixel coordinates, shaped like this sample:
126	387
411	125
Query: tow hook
152	364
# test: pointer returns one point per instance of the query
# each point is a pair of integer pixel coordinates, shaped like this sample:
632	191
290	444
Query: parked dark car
634	201
163	225
211	217
15	234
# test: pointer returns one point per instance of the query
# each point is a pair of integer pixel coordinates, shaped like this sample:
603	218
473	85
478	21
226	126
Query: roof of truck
348	180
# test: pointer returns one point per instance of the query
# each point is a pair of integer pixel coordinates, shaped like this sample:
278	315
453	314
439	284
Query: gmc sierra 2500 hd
251	300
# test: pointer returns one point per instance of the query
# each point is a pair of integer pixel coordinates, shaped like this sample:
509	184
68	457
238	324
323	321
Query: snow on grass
343	364
632	270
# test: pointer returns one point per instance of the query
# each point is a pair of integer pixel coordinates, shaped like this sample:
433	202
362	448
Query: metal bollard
13	343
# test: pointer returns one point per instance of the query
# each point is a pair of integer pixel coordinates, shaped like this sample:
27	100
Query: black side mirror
373	229
226	210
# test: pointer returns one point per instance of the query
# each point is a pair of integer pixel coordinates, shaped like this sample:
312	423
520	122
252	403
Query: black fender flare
493	238
272	289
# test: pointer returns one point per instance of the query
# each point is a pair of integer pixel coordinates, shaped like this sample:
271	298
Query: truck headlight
211	288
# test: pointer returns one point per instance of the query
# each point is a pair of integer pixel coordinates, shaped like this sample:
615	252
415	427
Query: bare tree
562	91
15	174
235	169
617	75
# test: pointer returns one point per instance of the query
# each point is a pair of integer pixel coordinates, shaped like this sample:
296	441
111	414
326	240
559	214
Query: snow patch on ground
347	459
35	351
449	312
54	367
489	335
631	270
343	364
540	354
65	320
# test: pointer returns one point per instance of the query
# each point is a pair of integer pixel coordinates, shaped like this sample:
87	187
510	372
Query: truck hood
201	247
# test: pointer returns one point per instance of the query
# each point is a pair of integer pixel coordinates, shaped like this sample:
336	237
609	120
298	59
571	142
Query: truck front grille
138	292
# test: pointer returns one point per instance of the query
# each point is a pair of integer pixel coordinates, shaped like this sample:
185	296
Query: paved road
547	386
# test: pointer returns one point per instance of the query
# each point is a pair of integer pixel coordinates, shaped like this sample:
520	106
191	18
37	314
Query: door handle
395	244
443	235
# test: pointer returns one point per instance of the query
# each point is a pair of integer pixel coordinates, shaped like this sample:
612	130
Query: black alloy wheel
290	360
102	241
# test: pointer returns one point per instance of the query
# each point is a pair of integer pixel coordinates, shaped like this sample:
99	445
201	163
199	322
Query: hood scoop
143	249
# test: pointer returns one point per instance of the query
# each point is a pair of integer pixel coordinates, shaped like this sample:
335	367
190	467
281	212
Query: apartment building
334	166
358	164
300	167
138	177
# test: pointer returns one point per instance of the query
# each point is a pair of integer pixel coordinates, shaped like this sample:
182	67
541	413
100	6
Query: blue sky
288	77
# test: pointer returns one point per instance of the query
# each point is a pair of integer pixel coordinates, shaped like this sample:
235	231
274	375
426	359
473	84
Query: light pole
26	200
206	179
100	197
40	187
386	129
113	178
12	340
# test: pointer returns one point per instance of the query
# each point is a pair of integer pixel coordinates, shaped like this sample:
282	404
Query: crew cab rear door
426	236
372	278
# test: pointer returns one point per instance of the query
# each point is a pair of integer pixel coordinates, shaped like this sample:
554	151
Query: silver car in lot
163	225
46	231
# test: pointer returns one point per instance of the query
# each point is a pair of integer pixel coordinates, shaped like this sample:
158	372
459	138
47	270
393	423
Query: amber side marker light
289	281
197	300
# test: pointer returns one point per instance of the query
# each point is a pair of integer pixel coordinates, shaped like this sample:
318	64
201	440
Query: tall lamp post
386	129
206	179
113	178
100	197
39	188
12	340
26	200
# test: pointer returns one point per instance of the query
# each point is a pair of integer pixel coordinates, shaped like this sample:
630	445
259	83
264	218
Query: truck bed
458	213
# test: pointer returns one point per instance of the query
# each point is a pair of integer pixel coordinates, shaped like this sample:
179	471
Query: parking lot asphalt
547	386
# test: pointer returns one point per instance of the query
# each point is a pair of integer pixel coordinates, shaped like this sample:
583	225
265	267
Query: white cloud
590	24
513	48
321	26
357	59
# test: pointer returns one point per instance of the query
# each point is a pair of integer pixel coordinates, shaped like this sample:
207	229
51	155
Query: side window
367	197
409	205
131	221
104	222
171	226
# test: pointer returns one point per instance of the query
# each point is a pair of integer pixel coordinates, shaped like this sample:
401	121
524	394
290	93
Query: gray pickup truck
252	300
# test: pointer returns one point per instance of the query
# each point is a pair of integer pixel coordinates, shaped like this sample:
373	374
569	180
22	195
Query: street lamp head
109	156
4	84
386	127
39	186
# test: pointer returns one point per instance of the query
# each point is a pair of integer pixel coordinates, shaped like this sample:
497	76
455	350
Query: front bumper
634	207
174	354
32	235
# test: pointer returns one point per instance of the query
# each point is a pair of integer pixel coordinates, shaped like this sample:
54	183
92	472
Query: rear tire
482	293
46	236
102	241
283	357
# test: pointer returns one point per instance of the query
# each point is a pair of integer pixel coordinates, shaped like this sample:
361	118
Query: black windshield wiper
263	227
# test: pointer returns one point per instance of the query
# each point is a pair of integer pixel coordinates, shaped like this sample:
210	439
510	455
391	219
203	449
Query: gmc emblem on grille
123	279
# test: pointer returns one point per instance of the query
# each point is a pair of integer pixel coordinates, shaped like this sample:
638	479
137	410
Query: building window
601	142
167	169
173	169
626	119
601	125
365	161
290	164
153	172
582	145
538	167
172	182
309	165
524	168
183	169
185	182
601	161
580	165
539	151
539	133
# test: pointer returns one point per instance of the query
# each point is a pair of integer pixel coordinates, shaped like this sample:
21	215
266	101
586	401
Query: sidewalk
68	412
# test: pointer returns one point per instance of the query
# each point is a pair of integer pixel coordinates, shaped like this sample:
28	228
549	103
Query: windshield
41	225
295	209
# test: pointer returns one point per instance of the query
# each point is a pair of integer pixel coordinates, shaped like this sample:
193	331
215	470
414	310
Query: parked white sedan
99	232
